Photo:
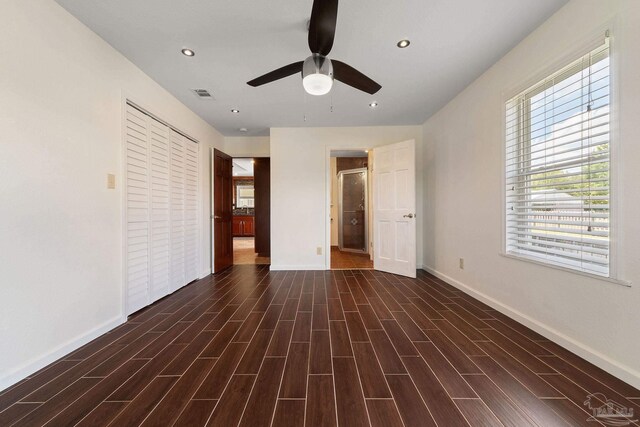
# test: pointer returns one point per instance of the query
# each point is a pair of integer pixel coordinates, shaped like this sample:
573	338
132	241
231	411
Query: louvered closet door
161	210
177	202
190	211
137	210
159	226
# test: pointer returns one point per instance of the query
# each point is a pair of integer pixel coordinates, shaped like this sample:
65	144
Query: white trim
34	365
623	372
212	242
317	267
561	60
204	274
123	197
614	156
552	264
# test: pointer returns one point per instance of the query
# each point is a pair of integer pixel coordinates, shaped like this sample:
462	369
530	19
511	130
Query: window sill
533	260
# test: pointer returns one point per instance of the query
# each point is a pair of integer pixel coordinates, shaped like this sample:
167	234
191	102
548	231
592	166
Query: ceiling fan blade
322	27
354	78
278	74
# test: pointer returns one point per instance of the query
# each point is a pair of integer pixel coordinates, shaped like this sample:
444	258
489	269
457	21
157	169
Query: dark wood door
222	211
262	195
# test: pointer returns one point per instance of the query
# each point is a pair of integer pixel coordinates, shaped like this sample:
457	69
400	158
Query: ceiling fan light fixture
317	75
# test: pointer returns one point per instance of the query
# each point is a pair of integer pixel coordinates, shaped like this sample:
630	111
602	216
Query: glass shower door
352	208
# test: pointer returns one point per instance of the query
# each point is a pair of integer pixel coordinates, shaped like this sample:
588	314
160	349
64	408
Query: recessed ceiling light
243	130
188	52
234	111
403	43
374	104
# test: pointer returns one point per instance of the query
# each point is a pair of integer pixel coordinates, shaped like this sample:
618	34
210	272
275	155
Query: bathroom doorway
350	213
352	209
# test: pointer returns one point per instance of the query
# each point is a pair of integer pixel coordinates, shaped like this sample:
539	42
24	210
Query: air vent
202	93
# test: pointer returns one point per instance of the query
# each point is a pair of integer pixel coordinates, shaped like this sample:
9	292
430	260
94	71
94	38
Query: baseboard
38	363
297	267
604	362
204	274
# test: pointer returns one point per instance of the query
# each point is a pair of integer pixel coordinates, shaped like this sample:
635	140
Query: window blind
558	168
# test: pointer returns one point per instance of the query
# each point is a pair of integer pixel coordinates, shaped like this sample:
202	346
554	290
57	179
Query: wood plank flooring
327	348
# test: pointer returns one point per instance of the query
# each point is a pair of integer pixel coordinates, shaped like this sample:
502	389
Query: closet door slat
191	211
160	226
137	210
177	188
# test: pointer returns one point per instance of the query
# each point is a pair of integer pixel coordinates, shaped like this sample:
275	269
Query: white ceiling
452	43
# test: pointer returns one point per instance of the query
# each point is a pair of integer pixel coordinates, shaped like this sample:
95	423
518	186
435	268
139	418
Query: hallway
244	252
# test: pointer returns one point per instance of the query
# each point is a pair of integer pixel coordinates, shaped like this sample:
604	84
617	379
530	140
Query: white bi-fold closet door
161	185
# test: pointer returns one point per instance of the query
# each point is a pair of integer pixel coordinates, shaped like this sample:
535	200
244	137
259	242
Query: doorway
350	213
241	210
390	208
250	211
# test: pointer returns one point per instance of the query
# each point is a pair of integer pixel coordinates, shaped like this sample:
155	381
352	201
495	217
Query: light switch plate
319	250
111	181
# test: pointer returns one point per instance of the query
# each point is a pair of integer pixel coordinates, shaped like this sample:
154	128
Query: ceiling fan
318	71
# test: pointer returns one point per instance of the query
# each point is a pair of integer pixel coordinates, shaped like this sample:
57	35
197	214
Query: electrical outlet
111	181
461	263
319	250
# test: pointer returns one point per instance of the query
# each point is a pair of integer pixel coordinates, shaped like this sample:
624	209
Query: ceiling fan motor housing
317	74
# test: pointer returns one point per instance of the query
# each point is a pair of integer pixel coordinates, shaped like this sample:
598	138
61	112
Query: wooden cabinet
243	226
248	226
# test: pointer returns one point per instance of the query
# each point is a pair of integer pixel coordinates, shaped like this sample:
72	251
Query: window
557	167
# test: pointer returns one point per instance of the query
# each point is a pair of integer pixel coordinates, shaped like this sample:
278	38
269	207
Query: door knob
217	217
408	216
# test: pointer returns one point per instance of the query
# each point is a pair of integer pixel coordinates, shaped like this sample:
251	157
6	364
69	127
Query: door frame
327	205
341	175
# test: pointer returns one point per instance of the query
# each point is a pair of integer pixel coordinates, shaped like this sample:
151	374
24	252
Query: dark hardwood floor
351	348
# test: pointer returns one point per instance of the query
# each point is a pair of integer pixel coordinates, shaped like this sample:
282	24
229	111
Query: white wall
299	188
63	90
250	146
463	147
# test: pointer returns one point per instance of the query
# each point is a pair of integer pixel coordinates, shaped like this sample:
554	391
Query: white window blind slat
558	167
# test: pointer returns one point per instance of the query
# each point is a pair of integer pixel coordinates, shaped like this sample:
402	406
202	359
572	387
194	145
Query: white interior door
159	225
191	211
137	210
177	211
394	210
